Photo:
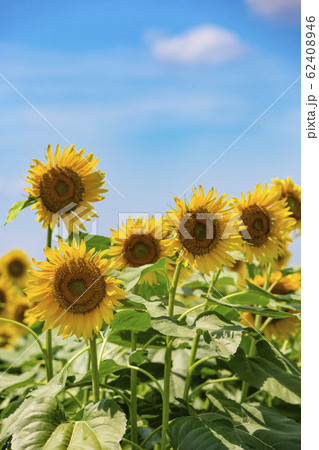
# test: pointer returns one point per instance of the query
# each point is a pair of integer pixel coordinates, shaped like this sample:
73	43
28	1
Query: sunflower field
177	333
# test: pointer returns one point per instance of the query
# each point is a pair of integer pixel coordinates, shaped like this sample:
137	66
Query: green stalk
49	360
86	393
195	344
252	349
134	430
95	371
168	356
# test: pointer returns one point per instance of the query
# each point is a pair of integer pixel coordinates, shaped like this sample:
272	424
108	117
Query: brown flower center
16	268
257	223
295	207
205	233
61	187
3	299
79	286
19	313
141	249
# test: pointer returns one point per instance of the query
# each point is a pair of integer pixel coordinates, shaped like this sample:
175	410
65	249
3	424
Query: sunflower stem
258	327
168	356
95	370
195	343
134	429
48	337
251	353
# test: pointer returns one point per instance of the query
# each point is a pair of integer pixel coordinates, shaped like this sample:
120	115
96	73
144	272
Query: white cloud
289	10
204	44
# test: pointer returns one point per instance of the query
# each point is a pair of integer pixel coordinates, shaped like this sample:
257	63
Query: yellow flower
19	308
281	261
14	266
267	220
138	243
284	284
202	231
73	290
240	267
7	296
8	336
277	328
65	186
291	192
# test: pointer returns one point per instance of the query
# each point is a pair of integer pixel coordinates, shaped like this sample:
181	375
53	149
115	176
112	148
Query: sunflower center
61	187
19	313
295	207
141	249
79	286
3	299
200	231
16	268
257	223
204	233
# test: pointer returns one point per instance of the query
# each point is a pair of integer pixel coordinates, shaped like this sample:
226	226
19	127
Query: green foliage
43	424
132	275
232	426
269	372
58	414
17	207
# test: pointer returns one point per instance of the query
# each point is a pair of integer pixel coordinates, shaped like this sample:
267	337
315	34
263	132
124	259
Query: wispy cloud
206	44
288	10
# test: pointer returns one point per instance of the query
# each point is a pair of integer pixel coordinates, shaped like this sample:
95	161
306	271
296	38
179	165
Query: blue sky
157	90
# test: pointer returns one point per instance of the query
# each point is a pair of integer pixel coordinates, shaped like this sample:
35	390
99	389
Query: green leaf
155	308
260	291
170	327
268	372
96	241
132	275
9	422
53	387
19	206
225	337
266	312
43	425
36	424
233	426
102	427
106	368
9	381
130	319
249	297
100	243
138	357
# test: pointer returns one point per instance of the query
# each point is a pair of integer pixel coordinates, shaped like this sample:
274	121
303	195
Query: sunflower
14	266
240	267
19	308
8	336
73	290
7	296
282	284
267	221
291	192
138	243
65	186
281	261
277	328
201	231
